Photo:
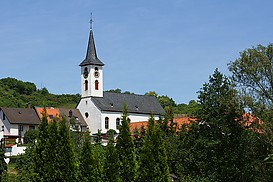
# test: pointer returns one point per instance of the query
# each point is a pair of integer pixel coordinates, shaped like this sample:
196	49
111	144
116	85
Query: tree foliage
126	150
16	93
253	73
30	136
52	157
218	147
111	164
90	164
153	164
3	165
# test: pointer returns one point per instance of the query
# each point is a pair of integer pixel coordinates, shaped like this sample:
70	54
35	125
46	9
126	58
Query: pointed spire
91	54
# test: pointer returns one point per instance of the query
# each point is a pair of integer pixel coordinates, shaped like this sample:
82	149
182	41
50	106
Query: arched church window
86	114
96	85
117	123
96	69
85	85
106	122
85	72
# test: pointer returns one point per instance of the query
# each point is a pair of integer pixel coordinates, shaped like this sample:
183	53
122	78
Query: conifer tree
90	166
25	166
3	165
126	150
53	155
153	164
111	164
41	151
66	162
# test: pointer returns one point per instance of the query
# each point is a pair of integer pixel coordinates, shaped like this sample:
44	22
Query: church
103	110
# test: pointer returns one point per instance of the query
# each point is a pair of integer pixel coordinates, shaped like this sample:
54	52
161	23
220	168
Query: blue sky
170	47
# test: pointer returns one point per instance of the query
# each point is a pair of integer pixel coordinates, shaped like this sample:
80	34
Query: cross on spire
91	22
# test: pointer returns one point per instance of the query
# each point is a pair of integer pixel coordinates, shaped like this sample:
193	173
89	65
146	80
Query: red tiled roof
50	112
137	125
179	121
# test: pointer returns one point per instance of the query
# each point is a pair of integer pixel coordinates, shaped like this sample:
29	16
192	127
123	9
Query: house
51	113
178	121
103	110
73	116
16	121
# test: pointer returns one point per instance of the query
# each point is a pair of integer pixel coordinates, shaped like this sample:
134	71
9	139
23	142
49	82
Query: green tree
3	164
41	151
166	101
153	164
152	93
53	155
253	73
111	164
125	149
25	165
90	166
30	136
66	161
212	147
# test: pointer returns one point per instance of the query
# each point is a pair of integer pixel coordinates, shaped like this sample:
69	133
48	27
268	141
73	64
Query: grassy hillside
16	93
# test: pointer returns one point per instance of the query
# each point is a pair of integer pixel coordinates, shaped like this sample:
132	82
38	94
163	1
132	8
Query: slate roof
91	55
140	104
21	116
75	113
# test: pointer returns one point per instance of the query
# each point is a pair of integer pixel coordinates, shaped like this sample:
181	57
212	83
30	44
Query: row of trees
53	158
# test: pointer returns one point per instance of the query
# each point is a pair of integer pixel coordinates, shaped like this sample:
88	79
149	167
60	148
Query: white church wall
94	115
114	115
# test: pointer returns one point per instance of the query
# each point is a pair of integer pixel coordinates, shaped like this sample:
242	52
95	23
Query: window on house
106	122
85	85
31	127
70	114
96	85
50	116
117	123
21	128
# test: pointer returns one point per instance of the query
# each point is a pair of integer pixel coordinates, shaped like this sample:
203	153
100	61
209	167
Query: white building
16	121
103	110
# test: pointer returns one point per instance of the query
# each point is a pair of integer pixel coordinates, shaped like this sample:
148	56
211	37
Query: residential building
16	121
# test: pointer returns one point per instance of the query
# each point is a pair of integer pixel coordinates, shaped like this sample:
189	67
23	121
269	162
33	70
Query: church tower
91	71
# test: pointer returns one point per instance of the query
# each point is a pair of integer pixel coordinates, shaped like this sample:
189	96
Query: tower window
86	114
96	85
96	69
85	85
117	123
106	122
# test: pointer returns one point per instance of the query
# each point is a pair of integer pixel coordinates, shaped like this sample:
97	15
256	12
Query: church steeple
91	71
91	54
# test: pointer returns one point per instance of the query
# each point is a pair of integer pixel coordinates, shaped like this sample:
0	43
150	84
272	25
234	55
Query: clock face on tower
96	74
85	73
